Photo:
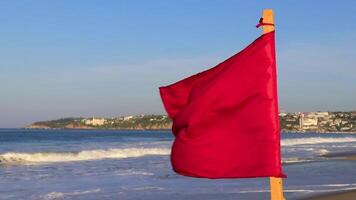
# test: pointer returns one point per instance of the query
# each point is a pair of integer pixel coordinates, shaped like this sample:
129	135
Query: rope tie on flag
261	23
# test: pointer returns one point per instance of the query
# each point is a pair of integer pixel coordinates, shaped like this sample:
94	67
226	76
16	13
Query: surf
15	158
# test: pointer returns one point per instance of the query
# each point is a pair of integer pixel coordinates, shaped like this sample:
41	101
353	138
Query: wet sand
349	155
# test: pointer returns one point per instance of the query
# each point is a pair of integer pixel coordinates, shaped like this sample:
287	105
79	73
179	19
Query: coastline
338	195
322	122
101	129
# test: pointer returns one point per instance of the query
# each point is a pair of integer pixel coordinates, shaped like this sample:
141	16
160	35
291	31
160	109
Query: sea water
101	164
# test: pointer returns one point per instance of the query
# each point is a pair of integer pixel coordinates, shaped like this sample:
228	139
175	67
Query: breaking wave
52	157
316	140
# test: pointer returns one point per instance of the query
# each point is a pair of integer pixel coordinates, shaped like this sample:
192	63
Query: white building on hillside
95	121
127	118
308	121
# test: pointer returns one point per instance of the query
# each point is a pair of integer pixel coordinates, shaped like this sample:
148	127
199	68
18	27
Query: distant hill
294	122
140	122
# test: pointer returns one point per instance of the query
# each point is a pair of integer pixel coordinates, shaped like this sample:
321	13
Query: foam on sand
98	154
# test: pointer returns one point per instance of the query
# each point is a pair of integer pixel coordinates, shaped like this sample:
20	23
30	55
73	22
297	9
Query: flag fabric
225	119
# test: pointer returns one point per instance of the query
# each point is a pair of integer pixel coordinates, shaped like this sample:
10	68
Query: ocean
130	165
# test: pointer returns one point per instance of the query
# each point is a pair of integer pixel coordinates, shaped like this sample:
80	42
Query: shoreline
320	132
346	194
338	195
347	155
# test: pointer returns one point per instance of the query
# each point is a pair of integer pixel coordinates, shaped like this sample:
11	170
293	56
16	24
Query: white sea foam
319	190
316	140
267	191
323	151
142	188
295	160
333	185
52	157
61	195
131	172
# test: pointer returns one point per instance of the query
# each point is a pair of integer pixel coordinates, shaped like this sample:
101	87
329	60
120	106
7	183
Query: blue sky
107	58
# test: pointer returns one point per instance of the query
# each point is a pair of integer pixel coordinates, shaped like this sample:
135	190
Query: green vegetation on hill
138	122
58	123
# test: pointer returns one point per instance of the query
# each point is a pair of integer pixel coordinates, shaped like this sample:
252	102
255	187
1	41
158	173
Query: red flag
225	119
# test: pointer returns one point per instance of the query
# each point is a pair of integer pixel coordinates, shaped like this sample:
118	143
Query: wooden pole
276	188
268	17
276	183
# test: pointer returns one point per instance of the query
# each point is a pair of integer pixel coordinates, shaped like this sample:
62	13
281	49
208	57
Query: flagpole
276	184
276	188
